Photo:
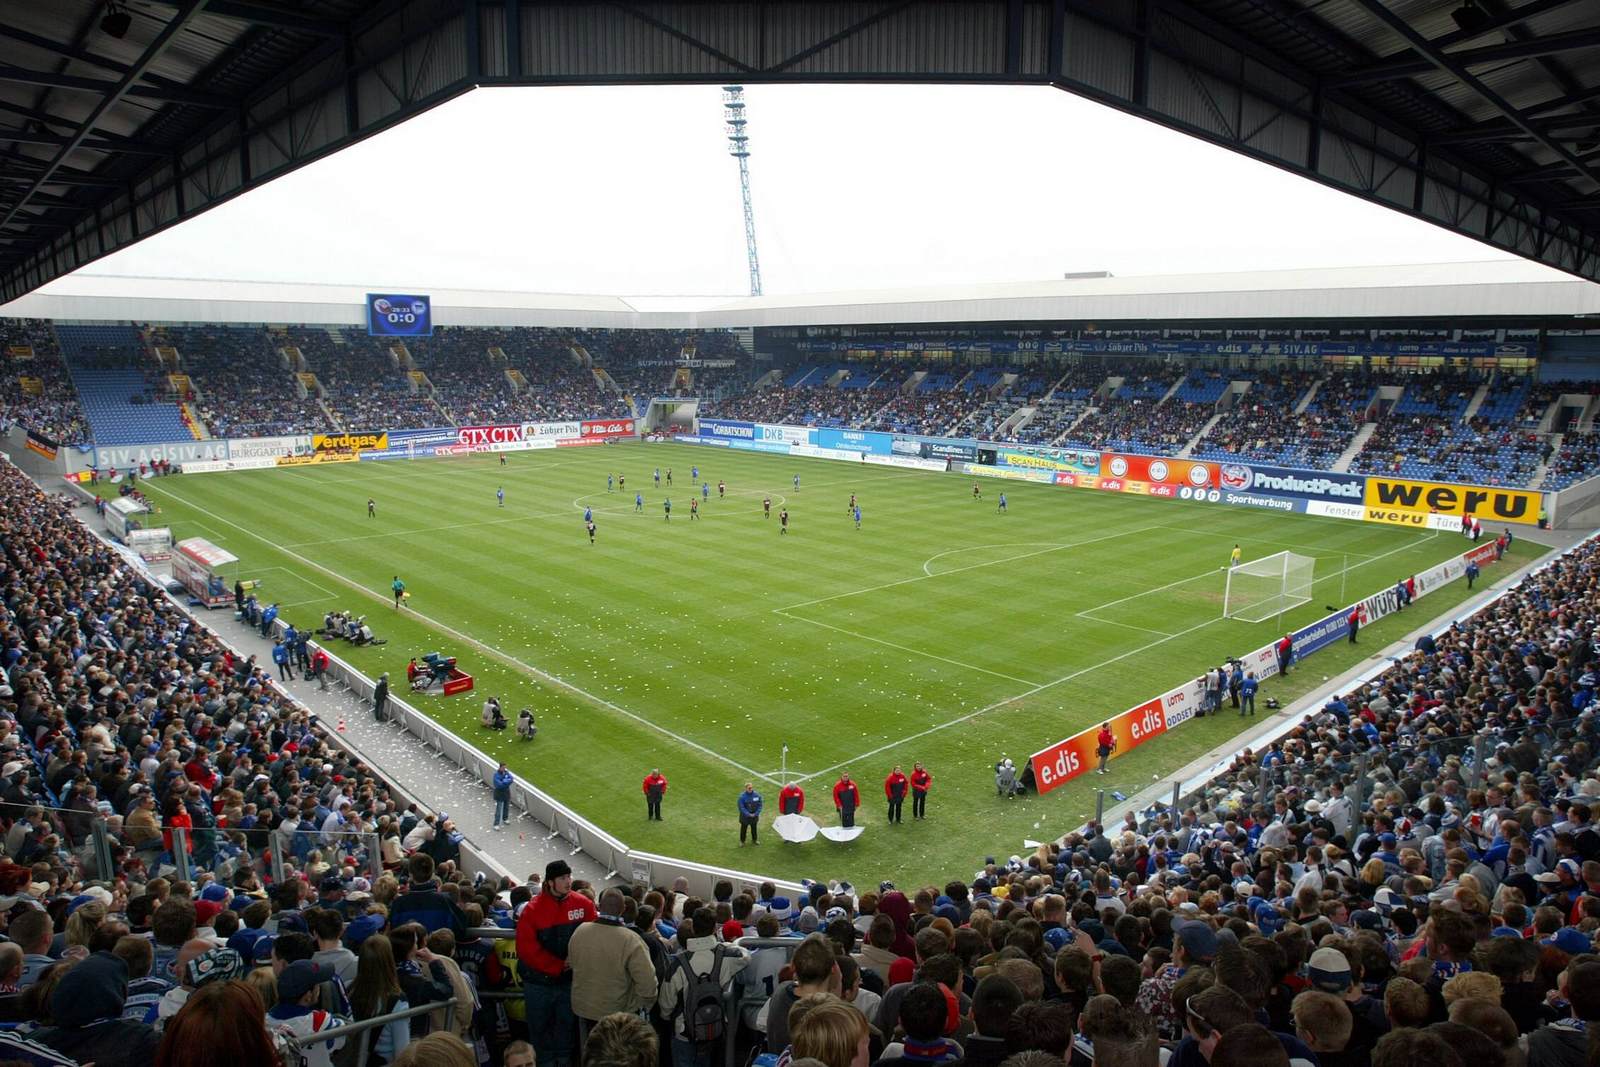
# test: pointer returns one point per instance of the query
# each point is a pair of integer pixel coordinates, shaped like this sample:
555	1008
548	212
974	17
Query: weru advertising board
1389	496
1197	474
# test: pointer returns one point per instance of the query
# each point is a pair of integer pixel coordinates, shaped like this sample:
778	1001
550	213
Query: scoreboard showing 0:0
394	315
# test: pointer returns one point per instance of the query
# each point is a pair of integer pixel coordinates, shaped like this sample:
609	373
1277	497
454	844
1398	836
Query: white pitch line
1065	678
970	567
904	648
1240	538
506	657
1007	701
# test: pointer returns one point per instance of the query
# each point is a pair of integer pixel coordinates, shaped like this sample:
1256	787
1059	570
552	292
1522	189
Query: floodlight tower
739	148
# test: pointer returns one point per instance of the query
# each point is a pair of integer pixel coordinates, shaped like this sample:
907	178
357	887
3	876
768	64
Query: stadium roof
120	119
1449	291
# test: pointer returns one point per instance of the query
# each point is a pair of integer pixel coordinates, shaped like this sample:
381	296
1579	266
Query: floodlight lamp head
1470	17
116	21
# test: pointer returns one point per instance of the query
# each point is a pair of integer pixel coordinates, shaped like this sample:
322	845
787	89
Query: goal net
1265	587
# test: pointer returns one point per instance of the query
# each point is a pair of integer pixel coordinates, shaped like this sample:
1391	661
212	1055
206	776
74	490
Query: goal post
1258	590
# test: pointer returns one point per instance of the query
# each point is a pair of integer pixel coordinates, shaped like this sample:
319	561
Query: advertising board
553	430
1011	474
1391	495
486	437
1288	482
908	462
1038	458
316	458
1332	510
268	447
958	451
177	452
881	444
725	429
789	435
607	428
1063	761
1197	474
348	442
211	466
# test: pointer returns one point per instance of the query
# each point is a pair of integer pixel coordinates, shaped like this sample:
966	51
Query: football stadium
440	669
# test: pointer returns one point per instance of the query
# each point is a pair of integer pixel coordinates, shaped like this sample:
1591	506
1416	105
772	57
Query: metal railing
362	1030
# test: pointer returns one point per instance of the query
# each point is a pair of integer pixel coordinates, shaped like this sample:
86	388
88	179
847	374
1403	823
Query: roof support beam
89	144
1452	66
65	51
267	15
164	94
152	52
1549	45
1503	21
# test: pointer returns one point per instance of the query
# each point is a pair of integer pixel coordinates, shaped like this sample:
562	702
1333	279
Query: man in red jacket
655	785
543	931
894	787
1105	742
791	800
920	780
846	799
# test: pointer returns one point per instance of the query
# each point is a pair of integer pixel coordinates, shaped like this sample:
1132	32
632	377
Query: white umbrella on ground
841	833
795	828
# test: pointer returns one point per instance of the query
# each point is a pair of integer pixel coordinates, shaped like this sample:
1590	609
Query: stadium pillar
1100	807
1176	789
1480	752
180	853
1358	786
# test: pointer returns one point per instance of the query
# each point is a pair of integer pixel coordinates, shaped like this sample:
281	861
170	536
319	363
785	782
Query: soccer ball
407	596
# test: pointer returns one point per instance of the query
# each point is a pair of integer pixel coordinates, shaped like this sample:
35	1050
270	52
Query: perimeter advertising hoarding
958	451
879	444
553	430
744	431
1010	474
177	452
1285	481
1065	760
1049	459
789	435
348	442
1390	495
267	447
1197	474
606	428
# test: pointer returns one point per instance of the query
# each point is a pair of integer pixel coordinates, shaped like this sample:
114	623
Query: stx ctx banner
1389	495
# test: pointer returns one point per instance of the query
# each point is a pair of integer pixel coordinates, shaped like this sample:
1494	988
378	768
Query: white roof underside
1494	289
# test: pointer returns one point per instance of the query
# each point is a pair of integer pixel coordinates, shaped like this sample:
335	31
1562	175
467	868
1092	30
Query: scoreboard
394	315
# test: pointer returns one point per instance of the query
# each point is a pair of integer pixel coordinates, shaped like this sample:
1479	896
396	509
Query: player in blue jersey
694	473
705	490
609	480
638	502
500	495
1002	505
658	477
858	516
588	514
797	483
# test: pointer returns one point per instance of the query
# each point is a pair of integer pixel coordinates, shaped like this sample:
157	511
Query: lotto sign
391	315
1193	473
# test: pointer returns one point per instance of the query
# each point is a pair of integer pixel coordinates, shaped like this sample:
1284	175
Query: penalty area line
505	657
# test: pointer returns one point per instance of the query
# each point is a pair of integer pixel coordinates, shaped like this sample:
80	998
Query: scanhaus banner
1281	481
1481	502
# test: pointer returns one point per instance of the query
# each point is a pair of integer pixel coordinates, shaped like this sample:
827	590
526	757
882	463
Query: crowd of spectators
1578	459
28	350
1261	424
241	385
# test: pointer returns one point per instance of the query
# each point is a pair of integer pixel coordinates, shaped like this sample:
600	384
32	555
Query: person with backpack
295	1016
693	997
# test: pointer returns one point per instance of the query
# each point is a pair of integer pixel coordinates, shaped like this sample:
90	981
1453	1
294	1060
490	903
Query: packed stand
821	405
1068	396
54	411
1261	425
242	387
361	383
934	407
1578	460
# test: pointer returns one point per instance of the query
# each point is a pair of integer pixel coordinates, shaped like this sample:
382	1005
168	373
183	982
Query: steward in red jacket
920	780
655	786
846	799
894	787
791	800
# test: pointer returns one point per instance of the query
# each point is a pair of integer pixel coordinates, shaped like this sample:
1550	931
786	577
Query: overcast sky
631	191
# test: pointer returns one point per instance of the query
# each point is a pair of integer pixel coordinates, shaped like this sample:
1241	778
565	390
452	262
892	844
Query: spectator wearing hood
86	1009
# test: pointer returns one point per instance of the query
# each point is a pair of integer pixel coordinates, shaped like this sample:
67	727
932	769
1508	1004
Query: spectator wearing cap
1194	943
423	902
299	989
86	1017
544	936
611	969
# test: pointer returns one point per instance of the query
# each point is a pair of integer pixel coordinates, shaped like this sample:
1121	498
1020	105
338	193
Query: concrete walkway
434	781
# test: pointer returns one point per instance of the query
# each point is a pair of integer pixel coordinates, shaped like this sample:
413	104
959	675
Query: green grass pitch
940	631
